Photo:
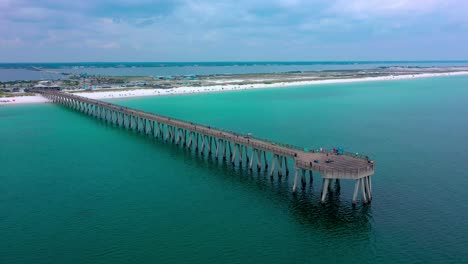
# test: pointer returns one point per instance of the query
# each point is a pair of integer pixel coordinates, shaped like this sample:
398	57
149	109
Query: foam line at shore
218	88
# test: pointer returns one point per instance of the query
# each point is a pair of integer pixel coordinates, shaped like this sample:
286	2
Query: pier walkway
236	148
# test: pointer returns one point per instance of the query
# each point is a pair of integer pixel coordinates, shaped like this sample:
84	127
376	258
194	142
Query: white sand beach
218	88
34	99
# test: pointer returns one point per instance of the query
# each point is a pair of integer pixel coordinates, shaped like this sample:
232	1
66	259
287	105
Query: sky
242	30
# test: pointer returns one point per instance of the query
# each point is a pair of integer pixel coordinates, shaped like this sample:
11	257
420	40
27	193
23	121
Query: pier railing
334	172
241	136
247	139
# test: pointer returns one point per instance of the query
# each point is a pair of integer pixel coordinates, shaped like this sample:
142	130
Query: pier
275	158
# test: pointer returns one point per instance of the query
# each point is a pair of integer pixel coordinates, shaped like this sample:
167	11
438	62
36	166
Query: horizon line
234	61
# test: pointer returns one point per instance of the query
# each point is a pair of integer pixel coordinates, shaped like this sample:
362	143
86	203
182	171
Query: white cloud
364	9
244	26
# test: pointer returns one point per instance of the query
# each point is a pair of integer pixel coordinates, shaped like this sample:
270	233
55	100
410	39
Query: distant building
48	86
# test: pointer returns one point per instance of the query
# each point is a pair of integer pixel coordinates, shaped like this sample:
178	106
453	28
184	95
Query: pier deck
230	144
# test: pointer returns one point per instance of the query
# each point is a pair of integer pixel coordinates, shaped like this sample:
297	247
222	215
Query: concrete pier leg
259	160
145	128
239	148
323	184
266	160
160	131
325	189
303	179
233	155
247	158
189	144
370	184
224	150
172	134
168	133
311	177
286	165
296	174
363	188
202	144
184	134
369	194
356	191
153	129
177	136
210	142
330	185
251	159
279	160
272	166
217	148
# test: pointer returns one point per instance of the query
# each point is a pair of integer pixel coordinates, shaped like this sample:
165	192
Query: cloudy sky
220	30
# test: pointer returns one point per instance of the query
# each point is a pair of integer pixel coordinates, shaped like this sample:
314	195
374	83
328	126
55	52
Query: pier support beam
251	159
303	179
218	144
224	149
240	149
325	189
296	174
272	166
356	191
233	154
363	188
279	160
369	194
259	160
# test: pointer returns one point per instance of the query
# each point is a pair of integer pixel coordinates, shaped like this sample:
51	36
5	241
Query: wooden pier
236	148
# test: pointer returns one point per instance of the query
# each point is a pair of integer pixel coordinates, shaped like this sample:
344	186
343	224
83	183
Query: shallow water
75	190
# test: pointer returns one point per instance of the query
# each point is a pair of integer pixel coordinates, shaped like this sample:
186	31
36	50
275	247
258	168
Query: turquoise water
75	190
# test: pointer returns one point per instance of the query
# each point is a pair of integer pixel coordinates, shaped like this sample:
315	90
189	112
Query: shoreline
37	99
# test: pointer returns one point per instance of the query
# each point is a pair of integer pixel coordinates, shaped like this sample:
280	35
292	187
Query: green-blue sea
76	190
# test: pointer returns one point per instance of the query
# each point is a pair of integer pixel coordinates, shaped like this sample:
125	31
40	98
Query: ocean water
21	74
75	190
23	71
